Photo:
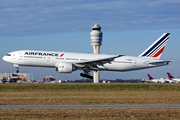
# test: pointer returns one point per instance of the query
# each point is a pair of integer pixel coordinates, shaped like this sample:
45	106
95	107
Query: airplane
176	80
161	80
66	62
152	80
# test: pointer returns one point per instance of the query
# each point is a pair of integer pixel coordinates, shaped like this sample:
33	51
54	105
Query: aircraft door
134	63
20	56
47	60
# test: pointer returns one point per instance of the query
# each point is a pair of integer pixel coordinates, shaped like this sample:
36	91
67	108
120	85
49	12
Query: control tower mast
96	39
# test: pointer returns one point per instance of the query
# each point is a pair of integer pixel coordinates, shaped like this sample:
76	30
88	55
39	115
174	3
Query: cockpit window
8	54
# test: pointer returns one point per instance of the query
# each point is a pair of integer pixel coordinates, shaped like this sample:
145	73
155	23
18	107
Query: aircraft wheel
17	71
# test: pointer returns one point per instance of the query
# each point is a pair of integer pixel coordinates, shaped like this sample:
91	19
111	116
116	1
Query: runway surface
86	106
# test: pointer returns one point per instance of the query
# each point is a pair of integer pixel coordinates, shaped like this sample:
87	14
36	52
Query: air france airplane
66	62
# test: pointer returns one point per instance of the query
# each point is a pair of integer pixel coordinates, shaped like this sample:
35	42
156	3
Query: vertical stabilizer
156	49
170	76
150	77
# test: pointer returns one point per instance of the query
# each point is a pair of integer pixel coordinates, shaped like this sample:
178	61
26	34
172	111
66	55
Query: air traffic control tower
96	39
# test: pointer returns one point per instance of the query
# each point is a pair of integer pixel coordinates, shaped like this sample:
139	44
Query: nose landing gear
17	71
17	67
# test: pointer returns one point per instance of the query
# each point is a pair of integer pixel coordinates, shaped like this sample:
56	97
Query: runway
85	106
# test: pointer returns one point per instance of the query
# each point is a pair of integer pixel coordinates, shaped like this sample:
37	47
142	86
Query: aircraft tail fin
170	76
150	77
156	49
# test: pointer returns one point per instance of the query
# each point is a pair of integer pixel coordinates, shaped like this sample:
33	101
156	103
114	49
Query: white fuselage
160	81
157	81
176	80
49	59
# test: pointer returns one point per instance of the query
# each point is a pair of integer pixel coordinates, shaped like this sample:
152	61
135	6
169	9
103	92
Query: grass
89	87
89	94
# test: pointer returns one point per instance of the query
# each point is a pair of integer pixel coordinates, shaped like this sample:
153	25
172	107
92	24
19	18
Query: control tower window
96	29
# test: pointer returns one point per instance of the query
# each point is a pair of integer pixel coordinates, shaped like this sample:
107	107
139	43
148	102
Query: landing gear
86	75
17	71
17	67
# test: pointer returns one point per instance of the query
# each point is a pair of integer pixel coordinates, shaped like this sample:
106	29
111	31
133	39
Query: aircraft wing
160	62
92	64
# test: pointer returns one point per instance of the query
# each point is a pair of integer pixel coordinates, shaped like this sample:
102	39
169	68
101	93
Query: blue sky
128	27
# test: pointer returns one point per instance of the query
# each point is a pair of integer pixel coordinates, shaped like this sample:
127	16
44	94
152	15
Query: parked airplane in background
176	80
66	62
161	80
152	80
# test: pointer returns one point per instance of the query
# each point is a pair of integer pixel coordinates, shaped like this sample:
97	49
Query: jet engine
65	67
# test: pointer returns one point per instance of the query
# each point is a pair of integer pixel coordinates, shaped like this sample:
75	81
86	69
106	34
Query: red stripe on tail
159	52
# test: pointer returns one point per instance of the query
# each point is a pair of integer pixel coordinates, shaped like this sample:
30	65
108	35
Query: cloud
38	17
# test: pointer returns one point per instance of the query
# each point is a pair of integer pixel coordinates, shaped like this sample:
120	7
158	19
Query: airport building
14	77
49	79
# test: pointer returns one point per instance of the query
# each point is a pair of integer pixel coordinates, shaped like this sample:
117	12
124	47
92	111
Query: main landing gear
86	75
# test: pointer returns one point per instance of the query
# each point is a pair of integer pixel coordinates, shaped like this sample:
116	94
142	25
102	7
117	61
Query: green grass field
89	94
89	87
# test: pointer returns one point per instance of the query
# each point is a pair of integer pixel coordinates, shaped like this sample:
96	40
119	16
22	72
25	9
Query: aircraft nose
5	58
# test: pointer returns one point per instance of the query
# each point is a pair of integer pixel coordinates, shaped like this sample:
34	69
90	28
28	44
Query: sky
128	27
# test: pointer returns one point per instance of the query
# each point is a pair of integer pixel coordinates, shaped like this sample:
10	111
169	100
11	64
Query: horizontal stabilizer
160	62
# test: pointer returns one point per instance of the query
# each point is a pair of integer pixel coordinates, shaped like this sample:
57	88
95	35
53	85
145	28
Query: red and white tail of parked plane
66	62
177	80
152	80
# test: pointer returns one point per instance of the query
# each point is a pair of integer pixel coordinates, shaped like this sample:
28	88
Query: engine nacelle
65	67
